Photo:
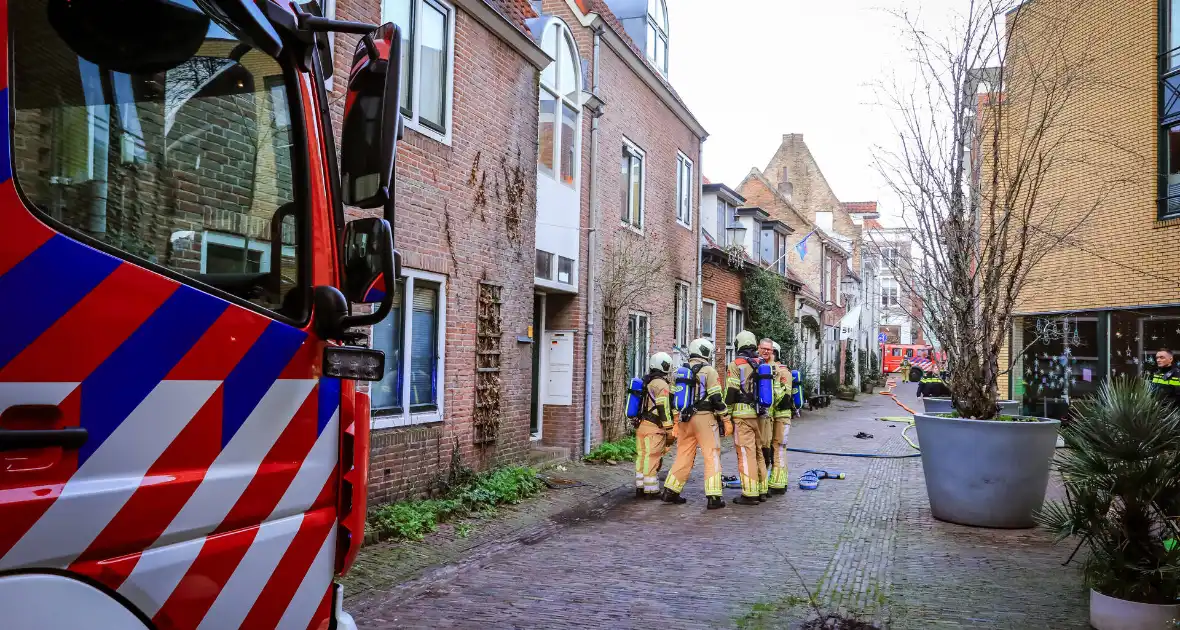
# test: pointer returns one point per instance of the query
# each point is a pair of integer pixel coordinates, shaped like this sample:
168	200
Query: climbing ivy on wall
762	293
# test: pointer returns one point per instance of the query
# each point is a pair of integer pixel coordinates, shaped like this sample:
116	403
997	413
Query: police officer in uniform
654	426
1166	379
741	397
701	428
932	386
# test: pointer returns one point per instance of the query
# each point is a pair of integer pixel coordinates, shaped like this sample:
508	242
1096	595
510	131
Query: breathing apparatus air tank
683	397
765	385
635	398
796	389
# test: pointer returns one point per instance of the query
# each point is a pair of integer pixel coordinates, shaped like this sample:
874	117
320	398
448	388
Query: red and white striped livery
182	444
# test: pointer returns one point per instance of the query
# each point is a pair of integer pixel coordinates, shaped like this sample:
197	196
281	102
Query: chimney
784	184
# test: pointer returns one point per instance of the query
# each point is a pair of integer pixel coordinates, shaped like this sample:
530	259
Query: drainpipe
591	260
697	232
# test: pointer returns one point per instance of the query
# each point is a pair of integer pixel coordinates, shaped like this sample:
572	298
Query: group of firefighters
716	409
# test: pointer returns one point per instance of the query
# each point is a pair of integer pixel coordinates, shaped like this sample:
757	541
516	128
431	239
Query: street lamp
736	233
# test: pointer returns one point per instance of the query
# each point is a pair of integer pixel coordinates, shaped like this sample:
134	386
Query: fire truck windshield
192	168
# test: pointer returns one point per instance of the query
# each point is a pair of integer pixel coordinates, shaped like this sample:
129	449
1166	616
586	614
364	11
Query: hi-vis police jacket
1166	383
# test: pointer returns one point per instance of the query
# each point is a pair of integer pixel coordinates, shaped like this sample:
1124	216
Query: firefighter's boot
778	471
715	503
744	500
671	496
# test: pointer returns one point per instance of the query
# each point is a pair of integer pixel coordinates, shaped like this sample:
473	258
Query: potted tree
979	136
1122	501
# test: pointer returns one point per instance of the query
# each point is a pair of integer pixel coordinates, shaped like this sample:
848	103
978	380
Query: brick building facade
1114	286
466	179
644	122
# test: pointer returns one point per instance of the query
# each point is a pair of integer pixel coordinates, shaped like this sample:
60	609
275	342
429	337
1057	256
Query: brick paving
866	545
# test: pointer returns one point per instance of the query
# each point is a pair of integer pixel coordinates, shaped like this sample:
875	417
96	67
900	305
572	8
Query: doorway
536	419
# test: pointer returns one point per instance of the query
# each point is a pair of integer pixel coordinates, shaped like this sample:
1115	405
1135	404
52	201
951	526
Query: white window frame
682	315
890	292
839	274
563	35
405	417
731	331
709	306
725	213
640	357
627	144
239	242
411	120
683	204
661	35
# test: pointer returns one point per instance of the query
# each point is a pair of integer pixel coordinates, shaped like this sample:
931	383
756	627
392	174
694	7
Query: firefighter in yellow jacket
766	424
741	397
781	412
699	426
654	428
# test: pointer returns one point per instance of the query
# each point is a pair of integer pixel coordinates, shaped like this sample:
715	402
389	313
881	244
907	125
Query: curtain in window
434	66
424	346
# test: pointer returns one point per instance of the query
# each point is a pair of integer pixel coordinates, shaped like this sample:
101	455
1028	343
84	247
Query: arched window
657	34
560	121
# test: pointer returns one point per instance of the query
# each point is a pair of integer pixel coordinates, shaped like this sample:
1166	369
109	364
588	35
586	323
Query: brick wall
811	193
455	218
1106	183
722	284
1118	183
636	113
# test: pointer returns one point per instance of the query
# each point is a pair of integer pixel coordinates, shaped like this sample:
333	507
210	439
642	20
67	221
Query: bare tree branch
981	132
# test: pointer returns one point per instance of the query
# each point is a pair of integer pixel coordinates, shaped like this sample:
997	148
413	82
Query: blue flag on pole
801	248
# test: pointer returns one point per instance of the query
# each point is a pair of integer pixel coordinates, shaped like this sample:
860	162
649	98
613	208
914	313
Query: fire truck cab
181	440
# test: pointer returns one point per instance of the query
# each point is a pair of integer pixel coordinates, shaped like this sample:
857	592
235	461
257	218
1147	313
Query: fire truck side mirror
367	244
372	120
370	269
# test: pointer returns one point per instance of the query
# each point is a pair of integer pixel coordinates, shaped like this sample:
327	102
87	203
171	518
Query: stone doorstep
597	500
544	456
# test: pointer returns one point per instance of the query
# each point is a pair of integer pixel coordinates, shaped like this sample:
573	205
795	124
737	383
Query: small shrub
619	451
1121	496
829	382
412	520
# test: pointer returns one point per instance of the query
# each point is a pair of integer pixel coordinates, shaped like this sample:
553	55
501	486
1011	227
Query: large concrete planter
1110	613
943	405
986	473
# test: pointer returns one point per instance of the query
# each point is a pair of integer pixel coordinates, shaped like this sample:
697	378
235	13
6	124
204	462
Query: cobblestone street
866	545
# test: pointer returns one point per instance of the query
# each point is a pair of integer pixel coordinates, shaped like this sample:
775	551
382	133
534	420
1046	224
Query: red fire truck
181	441
921	356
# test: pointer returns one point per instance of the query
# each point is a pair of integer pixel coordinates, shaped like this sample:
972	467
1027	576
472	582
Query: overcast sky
757	69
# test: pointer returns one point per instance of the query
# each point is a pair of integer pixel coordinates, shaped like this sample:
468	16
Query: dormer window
657	34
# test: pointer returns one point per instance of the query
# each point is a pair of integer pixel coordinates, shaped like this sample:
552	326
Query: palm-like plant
1122	482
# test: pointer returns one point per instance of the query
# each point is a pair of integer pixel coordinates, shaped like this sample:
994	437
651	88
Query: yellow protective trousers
749	455
650	442
778	473
700	431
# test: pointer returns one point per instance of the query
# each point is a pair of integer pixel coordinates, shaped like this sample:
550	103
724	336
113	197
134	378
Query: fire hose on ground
909	422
